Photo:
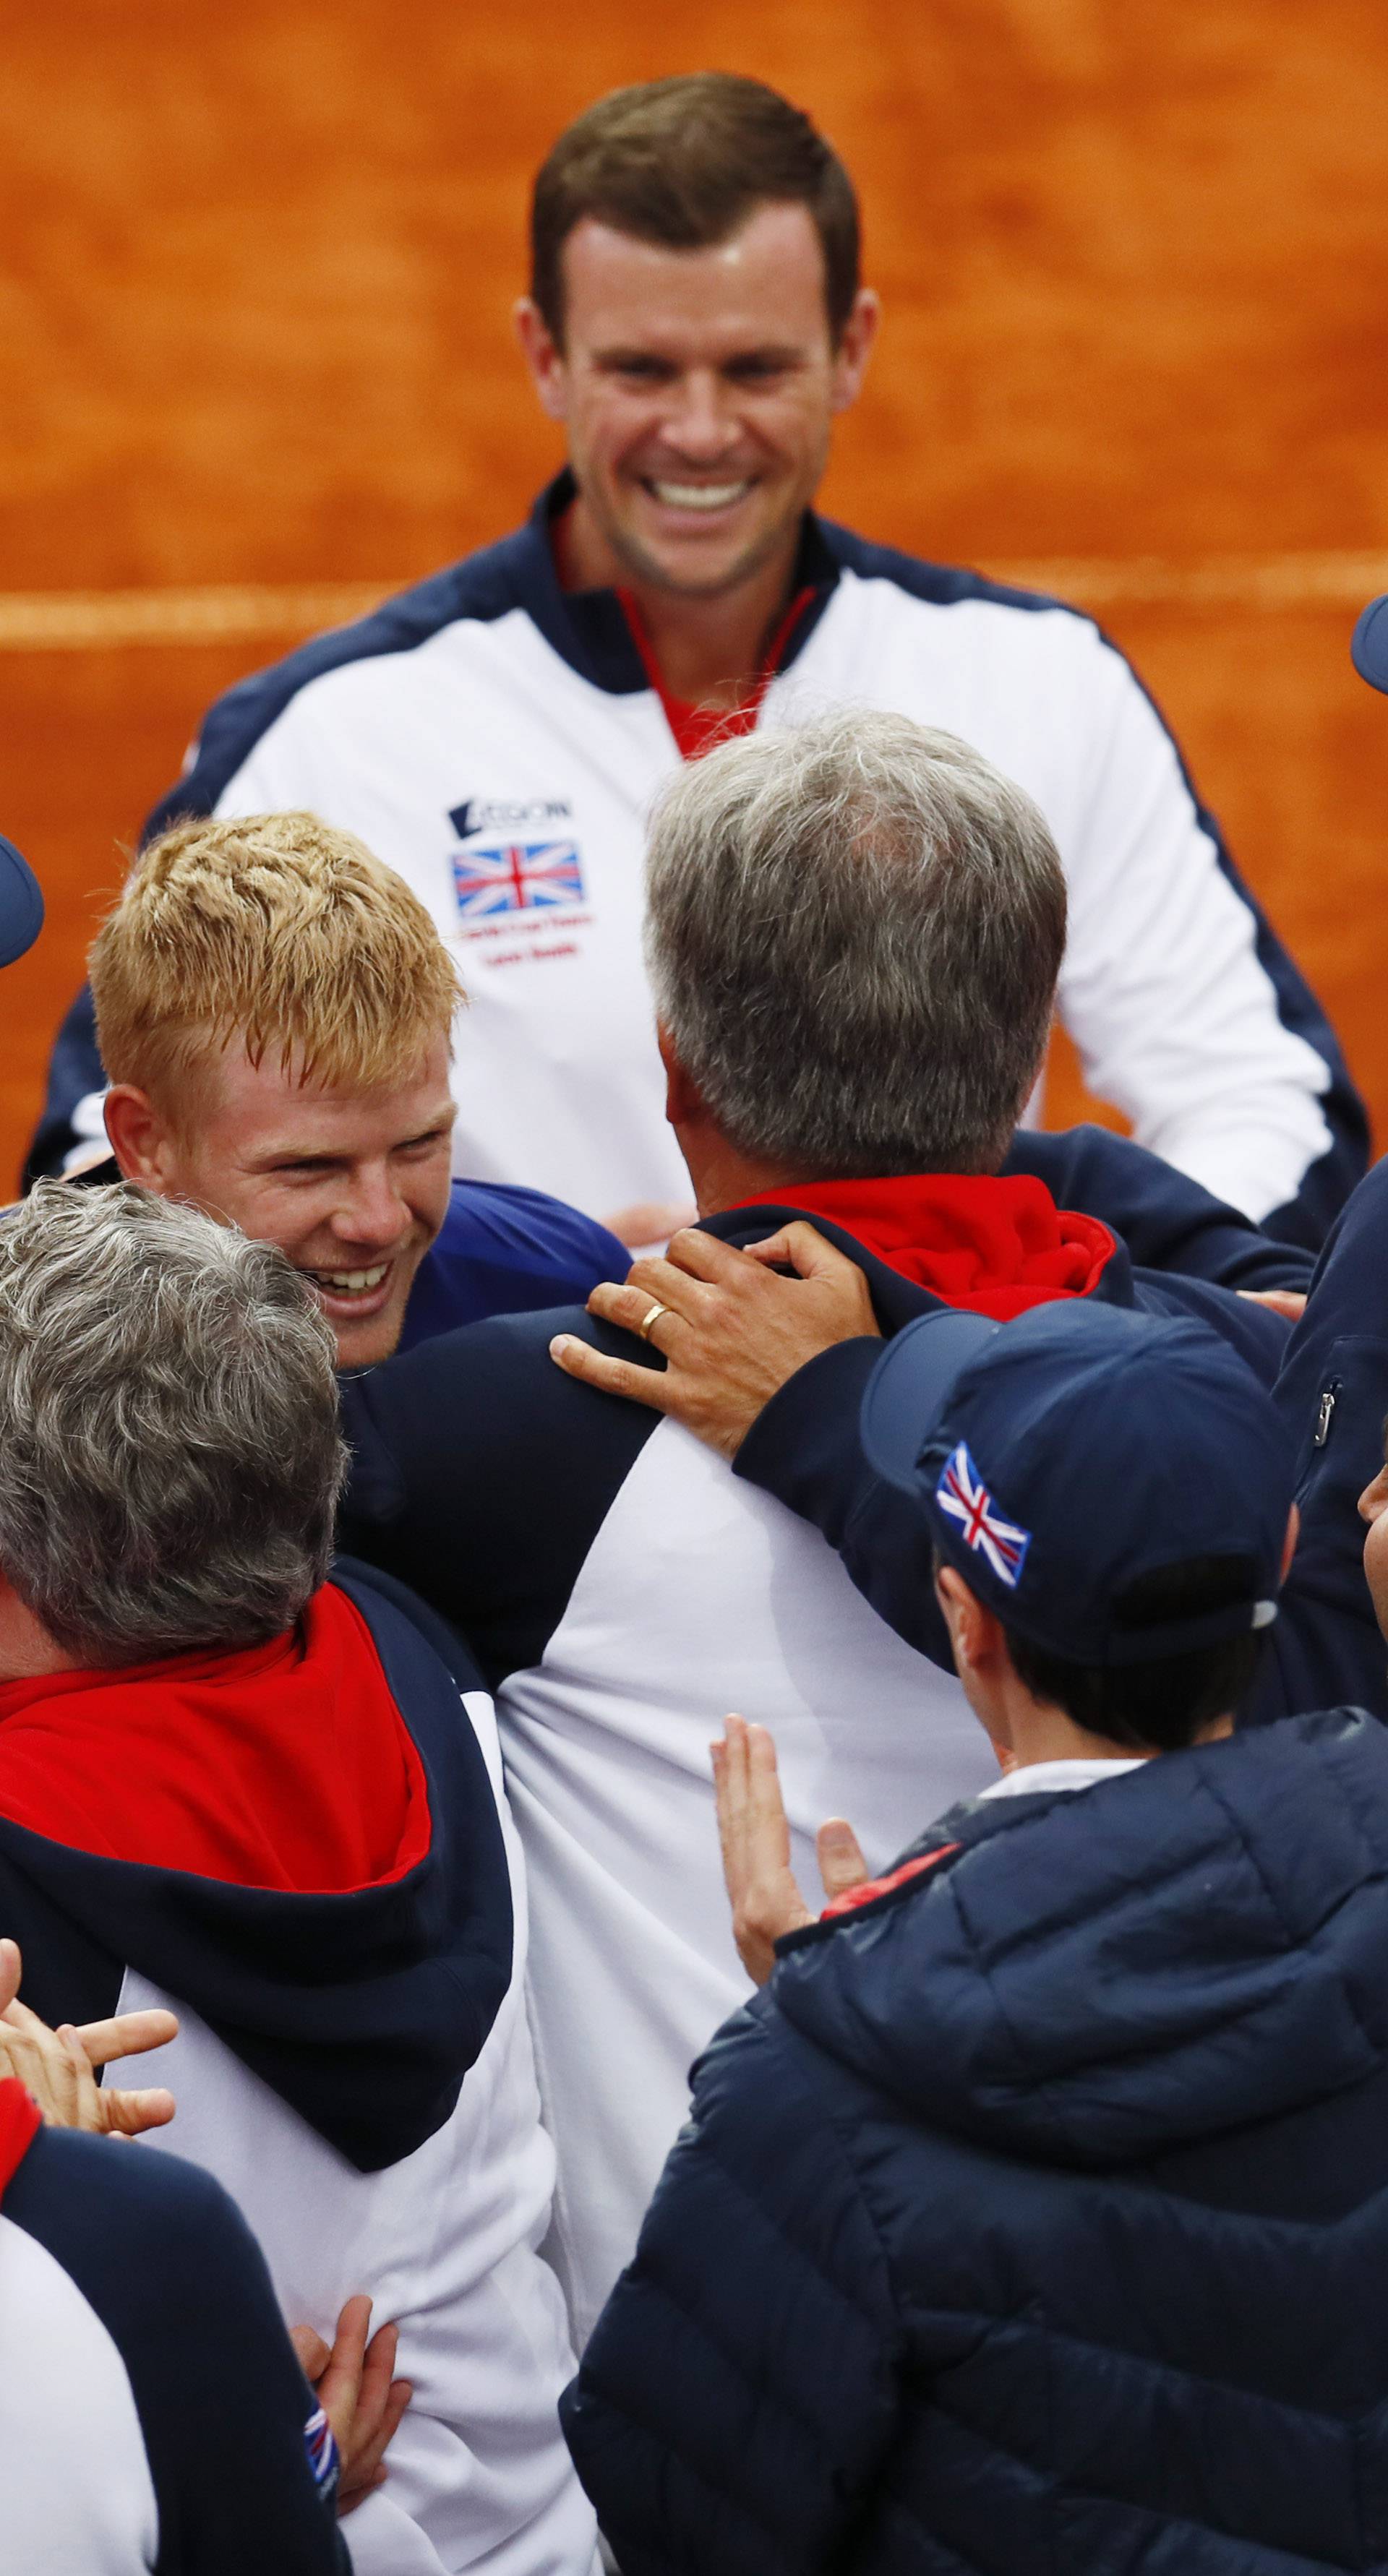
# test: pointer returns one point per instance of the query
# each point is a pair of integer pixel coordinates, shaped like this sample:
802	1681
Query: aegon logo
481	815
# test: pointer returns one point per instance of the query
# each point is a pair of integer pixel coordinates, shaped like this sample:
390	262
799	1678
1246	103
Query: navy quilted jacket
1033	2221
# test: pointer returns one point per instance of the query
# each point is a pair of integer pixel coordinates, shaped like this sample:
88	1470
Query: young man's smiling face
698	389
353	1186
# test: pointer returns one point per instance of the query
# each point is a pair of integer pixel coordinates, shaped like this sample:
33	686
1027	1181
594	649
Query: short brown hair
277	930
683	163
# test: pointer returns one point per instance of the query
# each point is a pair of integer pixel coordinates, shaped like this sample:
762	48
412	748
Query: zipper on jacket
1325	1413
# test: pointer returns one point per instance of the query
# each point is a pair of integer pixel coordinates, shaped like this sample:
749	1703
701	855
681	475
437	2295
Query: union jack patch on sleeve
323	2456
962	1493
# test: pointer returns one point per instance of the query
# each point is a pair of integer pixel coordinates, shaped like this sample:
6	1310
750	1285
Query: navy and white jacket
499	743
153	2416
623	1591
1328	1378
353	2065
1035	2216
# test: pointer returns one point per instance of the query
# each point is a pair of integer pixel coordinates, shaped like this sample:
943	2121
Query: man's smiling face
698	390
353	1186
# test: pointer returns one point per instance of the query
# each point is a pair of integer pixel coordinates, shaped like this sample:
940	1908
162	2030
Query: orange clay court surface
254	292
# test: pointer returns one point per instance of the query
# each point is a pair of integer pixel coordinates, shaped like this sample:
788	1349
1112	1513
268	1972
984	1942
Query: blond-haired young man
275	1010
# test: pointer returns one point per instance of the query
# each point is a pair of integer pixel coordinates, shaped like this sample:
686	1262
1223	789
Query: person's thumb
840	1856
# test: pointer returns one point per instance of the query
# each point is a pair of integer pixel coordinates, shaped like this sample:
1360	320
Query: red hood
287	1766
995	1246
19	2120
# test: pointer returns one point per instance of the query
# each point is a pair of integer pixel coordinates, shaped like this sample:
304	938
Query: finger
10	1968
340	2383
799	1247
127	2035
630	1306
766	1806
730	1798
129	2115
611	1377
378	2370
702	1256
367	2471
840	1856
313	2353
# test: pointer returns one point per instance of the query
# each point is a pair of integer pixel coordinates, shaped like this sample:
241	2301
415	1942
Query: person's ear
684	1102
974	1633
1289	1542
138	1135
855	348
543	356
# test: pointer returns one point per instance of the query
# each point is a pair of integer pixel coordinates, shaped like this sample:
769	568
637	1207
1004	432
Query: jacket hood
1093	1977
310	1856
995	1244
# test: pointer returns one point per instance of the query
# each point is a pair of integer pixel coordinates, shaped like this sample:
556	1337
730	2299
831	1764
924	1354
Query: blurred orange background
254	304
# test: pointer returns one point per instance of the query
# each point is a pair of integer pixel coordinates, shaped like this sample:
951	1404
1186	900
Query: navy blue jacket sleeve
741	2386
243	2477
1167	1220
1333	1392
504	1251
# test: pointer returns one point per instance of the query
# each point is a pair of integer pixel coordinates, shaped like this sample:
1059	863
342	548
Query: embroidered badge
517	876
962	1493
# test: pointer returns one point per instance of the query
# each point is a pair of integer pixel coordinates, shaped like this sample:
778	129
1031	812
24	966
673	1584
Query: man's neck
710	650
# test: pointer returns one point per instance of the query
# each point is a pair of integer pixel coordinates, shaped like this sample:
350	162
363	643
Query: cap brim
911	1385
1369	644
21	904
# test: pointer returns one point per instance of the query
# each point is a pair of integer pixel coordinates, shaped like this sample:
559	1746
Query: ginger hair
277	930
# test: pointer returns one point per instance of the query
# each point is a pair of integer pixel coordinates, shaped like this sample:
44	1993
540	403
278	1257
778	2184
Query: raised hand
58	2067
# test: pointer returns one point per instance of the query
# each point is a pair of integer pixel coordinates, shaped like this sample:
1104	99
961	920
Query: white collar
1069	1774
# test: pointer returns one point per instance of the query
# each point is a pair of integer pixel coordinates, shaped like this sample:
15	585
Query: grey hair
854	930
170	1458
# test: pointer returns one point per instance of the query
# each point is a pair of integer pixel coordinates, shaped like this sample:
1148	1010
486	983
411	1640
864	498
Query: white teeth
699	496
347	1282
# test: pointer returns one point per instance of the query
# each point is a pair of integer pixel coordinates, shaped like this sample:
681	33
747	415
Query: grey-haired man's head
855	927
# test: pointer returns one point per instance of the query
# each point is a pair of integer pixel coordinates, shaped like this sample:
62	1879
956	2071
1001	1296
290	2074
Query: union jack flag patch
962	1493
517	876
322	2452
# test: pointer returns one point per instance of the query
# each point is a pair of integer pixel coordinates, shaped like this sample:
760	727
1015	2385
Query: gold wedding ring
644	1327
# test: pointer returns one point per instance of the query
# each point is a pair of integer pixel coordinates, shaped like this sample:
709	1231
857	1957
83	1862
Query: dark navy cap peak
21	904
1059	1459
1369	644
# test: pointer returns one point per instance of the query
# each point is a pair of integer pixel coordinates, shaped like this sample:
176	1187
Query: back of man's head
683	163
278	931
169	1449
854	933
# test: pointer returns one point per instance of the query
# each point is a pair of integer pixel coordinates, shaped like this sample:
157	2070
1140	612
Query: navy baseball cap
1058	1459
1369	644
21	904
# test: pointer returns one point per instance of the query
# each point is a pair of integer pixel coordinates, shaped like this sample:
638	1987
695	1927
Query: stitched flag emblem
517	876
322	2452
962	1493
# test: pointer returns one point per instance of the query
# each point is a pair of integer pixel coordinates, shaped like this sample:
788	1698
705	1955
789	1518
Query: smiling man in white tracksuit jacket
497	734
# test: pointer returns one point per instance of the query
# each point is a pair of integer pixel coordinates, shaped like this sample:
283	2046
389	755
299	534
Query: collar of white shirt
1061	1775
